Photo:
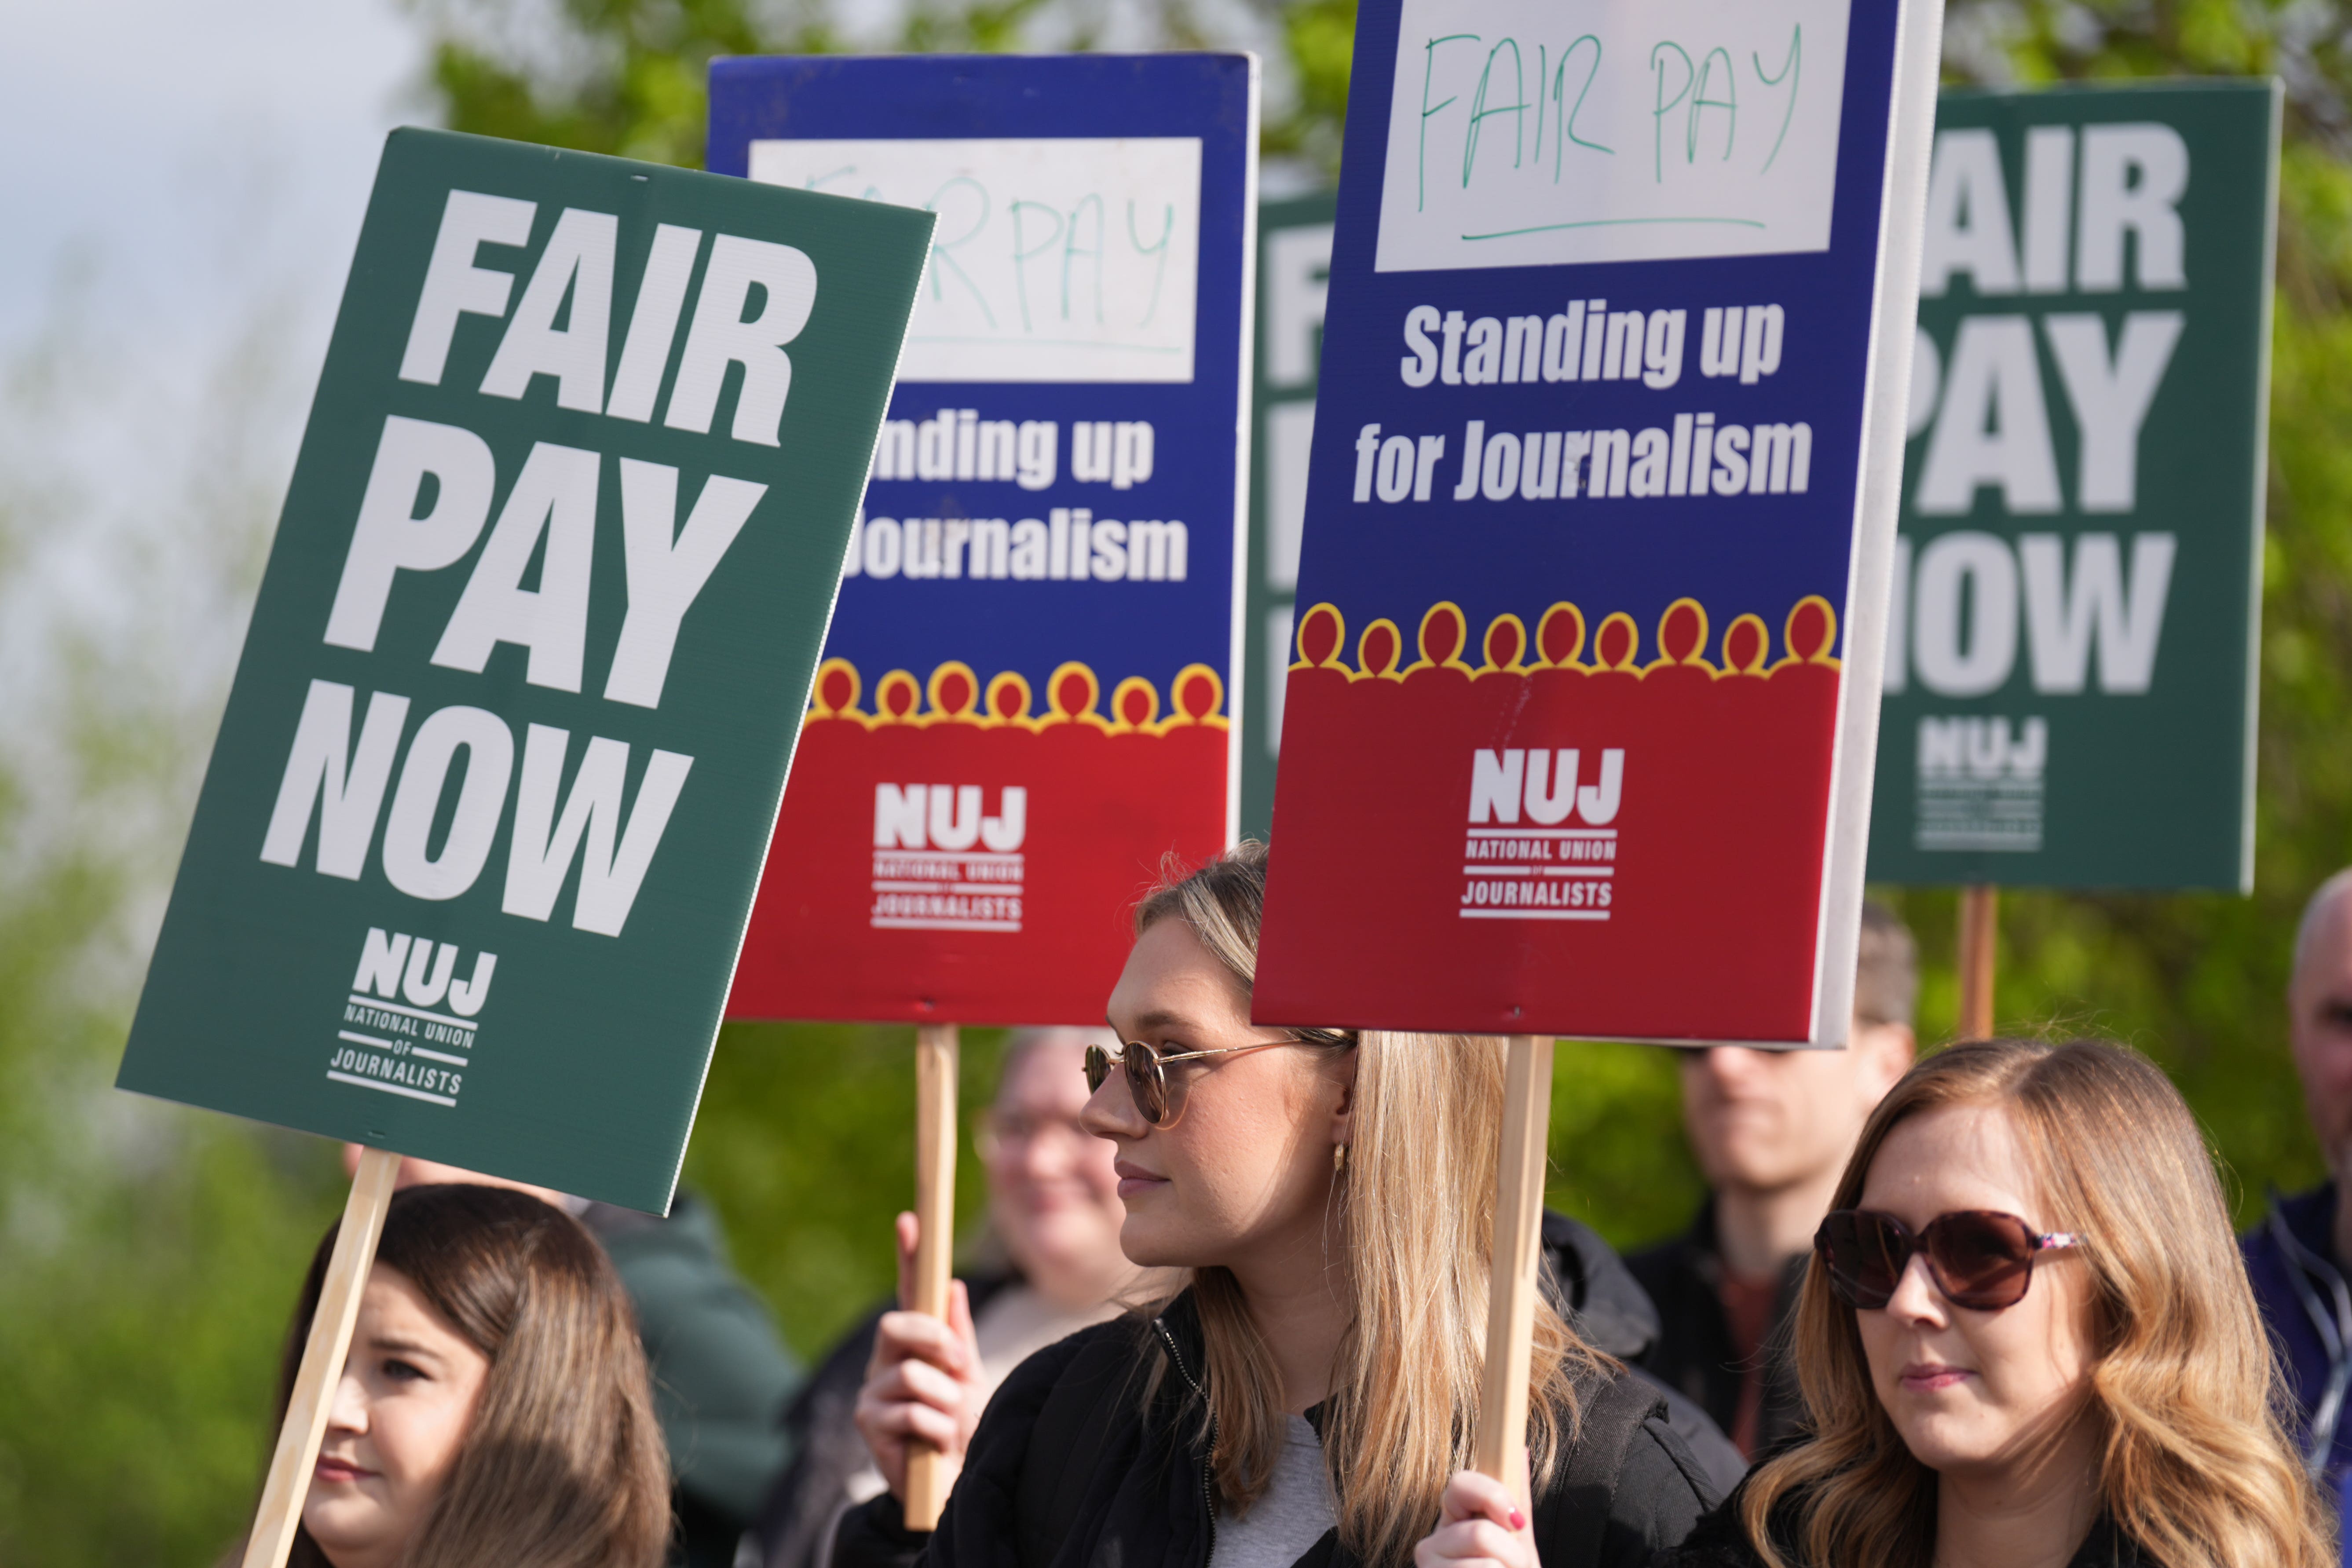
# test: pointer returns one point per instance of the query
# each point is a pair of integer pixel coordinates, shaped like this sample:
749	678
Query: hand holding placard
922	1395
930	1473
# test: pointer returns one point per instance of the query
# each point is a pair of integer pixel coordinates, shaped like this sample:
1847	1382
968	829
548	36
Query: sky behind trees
168	139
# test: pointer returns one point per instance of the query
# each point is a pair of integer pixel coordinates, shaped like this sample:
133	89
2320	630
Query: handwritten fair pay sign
1027	698
480	832
1599	516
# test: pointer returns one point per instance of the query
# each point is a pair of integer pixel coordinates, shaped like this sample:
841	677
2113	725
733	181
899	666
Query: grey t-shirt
1290	1517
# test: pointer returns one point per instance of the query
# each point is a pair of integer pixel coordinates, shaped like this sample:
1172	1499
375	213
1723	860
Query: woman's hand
923	1383
1480	1524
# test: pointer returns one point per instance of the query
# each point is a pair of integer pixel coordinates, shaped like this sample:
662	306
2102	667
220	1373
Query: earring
1339	1159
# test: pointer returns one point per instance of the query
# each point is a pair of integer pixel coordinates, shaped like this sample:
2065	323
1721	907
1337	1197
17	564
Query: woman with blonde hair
494	1410
1310	1395
2026	1340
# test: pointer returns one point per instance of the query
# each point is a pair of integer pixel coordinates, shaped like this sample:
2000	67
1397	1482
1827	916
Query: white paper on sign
1056	259
1532	132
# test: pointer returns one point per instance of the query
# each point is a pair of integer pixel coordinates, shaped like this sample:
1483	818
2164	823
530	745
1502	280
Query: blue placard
1050	533
1150	628
1634	555
1601	344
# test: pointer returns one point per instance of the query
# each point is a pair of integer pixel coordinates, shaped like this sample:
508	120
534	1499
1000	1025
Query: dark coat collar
2311	1218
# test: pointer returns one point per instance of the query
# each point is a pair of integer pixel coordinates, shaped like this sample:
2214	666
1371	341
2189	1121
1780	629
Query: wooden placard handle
1517	1243
280	1513
935	1163
1979	937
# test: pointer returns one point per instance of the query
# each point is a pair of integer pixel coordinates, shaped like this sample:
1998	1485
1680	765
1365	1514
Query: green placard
2070	676
1294	261
479	836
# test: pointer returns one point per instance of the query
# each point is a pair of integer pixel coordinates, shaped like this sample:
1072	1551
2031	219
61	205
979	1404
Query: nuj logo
948	817
398	967
392	1039
1544	784
942	862
1524	864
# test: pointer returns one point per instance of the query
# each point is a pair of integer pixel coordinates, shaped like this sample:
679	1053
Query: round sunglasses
1980	1260
1158	1096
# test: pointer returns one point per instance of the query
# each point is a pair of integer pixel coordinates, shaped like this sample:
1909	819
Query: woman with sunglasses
2027	1340
1310	1394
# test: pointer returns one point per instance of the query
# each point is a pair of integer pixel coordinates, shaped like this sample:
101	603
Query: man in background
1772	1132
2295	1257
720	1373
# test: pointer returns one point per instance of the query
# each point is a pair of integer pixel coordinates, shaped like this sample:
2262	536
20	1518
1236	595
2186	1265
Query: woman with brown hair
494	1410
2026	1340
1310	1394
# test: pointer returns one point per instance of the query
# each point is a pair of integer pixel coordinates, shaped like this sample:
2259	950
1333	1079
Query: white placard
1531	133
1056	259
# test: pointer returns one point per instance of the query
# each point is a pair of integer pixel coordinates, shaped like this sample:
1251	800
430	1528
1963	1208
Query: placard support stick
280	1513
935	1163
1979	935
1518	1234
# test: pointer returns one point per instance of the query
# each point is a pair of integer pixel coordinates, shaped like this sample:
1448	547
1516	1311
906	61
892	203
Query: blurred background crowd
189	183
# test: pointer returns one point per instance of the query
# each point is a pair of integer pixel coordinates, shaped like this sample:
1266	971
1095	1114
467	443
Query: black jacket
720	1371
1072	1468
2298	1281
1604	1301
1720	1541
1586	1280
1692	1352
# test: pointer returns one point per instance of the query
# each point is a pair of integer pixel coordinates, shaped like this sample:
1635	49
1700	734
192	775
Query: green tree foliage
149	1254
1319	38
806	1142
629	75
624	77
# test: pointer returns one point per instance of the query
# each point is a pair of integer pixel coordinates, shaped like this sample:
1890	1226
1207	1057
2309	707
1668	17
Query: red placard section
1553	845
946	855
